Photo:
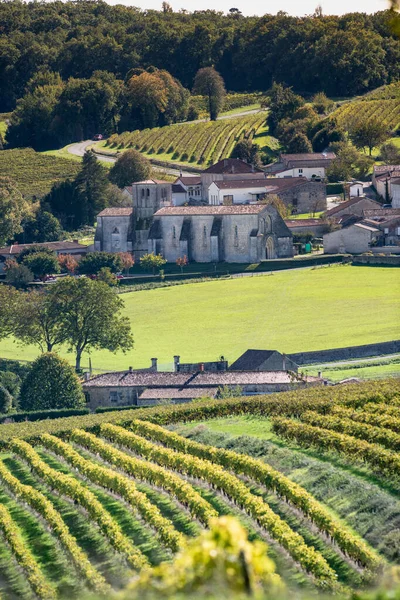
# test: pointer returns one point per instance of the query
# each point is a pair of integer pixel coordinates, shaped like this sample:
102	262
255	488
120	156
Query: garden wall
347	353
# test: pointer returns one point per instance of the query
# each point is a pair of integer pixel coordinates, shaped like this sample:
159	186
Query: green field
35	173
307	309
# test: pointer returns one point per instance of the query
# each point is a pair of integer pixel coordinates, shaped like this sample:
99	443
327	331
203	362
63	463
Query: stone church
175	220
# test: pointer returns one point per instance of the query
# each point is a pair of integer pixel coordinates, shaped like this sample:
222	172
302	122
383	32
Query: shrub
5	400
93	262
19	275
51	383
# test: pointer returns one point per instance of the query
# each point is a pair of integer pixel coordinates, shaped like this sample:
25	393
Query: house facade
355	239
384	177
354	206
308	165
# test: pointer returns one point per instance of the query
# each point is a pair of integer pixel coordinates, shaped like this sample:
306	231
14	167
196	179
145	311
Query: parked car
97	137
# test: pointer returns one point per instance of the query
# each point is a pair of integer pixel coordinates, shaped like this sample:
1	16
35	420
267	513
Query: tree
6	400
13	209
129	168
247	151
107	276
63	202
369	133
91	186
94	261
42	264
209	83
127	260
348	164
283	103
390	154
152	261
43	227
9	303
274	200
182	261
298	144
90	316
34	249
12	382
36	321
322	104
50	384
325	133
19	275
68	263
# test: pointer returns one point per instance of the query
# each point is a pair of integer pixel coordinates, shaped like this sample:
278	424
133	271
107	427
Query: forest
342	56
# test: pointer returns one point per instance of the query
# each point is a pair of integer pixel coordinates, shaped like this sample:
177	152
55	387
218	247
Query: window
142	192
174	232
197	192
163	192
300	171
294	202
398	231
386	230
148	192
190	191
114	396
236	236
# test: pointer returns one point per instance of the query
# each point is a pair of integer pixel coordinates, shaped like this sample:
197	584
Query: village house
311	165
355	239
314	227
74	248
141	388
356	205
386	181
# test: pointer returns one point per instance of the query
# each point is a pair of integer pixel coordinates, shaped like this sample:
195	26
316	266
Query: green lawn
296	310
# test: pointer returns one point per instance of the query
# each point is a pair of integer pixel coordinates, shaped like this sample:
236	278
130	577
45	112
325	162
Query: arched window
174	232
204	235
142	192
116	230
148	192
236	236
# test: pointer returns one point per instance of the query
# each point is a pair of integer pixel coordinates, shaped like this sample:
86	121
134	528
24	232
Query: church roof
236	209
232	165
116	211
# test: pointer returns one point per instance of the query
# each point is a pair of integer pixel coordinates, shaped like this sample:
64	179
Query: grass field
35	173
82	511
307	309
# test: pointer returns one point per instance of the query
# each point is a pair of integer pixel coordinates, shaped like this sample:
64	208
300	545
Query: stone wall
347	353
305	198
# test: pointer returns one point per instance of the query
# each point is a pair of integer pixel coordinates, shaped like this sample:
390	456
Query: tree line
341	55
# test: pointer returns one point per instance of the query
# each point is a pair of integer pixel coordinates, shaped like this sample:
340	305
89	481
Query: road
79	149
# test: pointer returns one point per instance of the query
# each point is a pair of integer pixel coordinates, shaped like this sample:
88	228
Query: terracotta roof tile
56	246
232	165
171	393
309	156
189	180
236	209
348	204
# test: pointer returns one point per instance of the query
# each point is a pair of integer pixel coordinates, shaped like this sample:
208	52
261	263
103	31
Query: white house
383	178
311	165
356	189
236	192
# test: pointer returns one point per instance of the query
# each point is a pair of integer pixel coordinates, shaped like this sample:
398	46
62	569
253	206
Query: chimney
284	362
154	364
130	369
201	367
176	363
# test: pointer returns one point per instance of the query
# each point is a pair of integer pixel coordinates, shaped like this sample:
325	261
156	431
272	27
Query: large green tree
13	209
209	83
368	133
51	383
91	188
129	168
90	316
283	103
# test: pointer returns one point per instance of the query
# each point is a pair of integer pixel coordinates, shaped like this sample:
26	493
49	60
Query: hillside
86	511
383	103
199	144
328	307
35	173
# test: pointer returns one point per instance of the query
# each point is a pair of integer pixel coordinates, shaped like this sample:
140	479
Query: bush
93	262
51	383
5	400
19	276
42	264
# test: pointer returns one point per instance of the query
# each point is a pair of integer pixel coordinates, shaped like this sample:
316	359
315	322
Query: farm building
141	388
74	248
311	165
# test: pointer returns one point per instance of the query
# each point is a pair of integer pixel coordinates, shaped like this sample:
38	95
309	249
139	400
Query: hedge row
147	471
41	505
70	487
309	558
24	558
40	415
291	403
241	464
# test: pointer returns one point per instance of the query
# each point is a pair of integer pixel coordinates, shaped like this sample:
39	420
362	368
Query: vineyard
35	173
195	143
88	501
383	102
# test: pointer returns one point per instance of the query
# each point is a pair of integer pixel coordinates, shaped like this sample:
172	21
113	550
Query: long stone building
219	215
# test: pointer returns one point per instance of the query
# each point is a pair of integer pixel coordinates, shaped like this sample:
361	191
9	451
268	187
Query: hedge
40	415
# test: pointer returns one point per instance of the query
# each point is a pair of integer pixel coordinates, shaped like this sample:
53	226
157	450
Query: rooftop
56	246
291	223
366	226
348	203
251	359
381	212
198	379
386	168
185	394
236	209
309	156
116	211
178	189
189	180
232	165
